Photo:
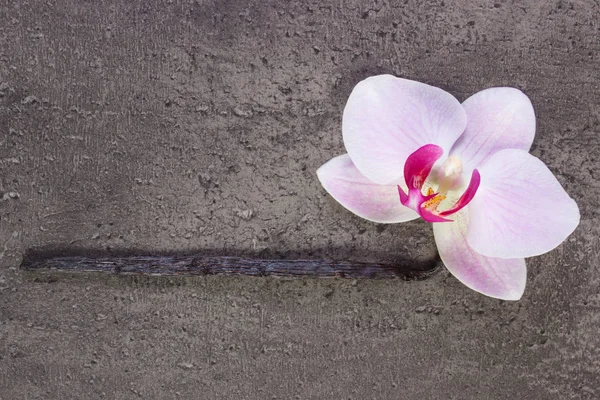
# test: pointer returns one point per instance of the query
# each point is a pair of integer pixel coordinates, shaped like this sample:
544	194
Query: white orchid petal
377	203
387	118
495	277
498	118
520	210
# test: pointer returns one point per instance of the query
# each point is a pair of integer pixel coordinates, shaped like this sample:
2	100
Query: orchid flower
415	151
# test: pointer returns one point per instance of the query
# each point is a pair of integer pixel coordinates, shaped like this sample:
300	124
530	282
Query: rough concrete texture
186	125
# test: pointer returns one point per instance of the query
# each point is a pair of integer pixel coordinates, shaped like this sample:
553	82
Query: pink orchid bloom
414	150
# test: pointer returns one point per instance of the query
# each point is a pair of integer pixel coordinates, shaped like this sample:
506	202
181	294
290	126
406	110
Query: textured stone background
185	125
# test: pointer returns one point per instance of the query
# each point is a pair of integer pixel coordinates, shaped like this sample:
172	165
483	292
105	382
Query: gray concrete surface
156	126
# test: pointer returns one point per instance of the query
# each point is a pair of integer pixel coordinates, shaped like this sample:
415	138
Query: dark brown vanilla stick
227	265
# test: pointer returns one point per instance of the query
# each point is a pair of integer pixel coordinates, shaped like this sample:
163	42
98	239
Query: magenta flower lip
416	170
415	151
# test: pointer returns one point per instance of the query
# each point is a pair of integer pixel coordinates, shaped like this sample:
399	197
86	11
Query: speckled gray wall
184	125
